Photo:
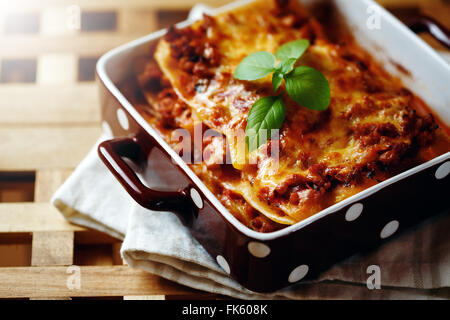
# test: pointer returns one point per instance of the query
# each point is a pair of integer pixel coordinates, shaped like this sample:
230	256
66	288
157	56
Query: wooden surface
50	118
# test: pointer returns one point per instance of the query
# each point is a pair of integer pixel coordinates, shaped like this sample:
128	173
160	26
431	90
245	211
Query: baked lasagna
373	129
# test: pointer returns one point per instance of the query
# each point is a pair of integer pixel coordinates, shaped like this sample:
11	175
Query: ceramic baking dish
265	262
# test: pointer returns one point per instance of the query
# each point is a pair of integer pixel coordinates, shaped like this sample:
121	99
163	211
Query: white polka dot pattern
197	198
123	119
223	264
298	273
258	249
443	170
389	229
354	212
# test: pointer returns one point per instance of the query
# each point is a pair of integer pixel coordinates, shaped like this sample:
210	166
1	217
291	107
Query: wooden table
49	119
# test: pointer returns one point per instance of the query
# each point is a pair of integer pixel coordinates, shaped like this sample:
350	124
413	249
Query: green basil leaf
286	65
308	87
277	78
255	66
267	114
292	50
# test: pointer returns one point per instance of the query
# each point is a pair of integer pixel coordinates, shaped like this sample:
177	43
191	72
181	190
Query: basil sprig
268	114
255	66
305	85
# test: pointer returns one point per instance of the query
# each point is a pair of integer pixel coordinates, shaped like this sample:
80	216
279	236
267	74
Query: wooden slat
53	248
47	182
63	67
31	104
33	217
89	44
154	297
130	20
54	21
50	298
42	147
95	281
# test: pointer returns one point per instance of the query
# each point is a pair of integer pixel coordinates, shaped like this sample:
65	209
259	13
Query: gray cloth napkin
412	266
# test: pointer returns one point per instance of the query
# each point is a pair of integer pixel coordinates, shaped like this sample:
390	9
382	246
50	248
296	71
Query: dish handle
422	23
113	151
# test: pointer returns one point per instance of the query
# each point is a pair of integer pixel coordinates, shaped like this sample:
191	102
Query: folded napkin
412	266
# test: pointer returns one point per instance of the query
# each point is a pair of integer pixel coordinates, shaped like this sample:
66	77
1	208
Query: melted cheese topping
370	132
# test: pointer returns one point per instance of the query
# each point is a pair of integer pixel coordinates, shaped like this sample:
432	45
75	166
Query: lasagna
373	129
